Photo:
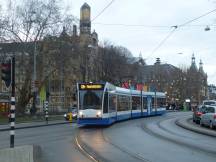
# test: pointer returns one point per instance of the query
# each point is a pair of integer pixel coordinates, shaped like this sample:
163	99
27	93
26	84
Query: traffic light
6	72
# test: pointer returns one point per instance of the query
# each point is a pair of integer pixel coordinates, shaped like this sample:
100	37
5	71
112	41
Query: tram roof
137	92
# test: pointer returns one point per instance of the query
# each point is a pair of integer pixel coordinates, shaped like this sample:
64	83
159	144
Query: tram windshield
90	99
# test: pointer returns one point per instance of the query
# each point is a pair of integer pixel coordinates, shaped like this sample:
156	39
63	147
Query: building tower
85	19
201	67
193	63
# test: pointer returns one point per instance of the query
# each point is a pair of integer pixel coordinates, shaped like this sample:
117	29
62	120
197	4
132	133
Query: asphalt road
154	139
57	142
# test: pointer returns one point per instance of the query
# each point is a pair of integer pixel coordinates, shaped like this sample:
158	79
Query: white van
209	102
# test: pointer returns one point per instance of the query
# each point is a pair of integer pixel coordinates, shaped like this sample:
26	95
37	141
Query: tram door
149	105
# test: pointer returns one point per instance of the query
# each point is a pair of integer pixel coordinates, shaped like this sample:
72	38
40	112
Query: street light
89	66
207	28
34	81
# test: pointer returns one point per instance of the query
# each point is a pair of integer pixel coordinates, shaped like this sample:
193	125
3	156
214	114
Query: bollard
46	104
70	117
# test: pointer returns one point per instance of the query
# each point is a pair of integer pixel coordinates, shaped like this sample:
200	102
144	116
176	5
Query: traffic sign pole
12	108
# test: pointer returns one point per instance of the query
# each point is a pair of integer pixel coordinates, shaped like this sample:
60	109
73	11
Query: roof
166	69
85	5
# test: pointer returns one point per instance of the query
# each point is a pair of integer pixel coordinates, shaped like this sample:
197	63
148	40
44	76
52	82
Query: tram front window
90	99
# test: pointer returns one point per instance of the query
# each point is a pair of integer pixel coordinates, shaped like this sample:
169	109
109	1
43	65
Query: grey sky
185	40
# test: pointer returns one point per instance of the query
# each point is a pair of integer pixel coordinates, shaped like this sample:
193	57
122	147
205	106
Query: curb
35	126
37	153
24	153
194	129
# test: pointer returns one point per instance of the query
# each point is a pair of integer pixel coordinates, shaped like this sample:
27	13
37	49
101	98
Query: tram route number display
91	86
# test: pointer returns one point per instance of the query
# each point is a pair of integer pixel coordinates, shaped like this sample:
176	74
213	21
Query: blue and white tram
104	103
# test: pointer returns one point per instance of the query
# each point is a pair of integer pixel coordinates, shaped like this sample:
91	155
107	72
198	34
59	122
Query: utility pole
34	81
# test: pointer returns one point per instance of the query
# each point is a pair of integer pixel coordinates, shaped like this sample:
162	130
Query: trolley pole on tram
12	108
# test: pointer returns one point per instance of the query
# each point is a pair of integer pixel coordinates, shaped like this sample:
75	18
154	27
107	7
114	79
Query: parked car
198	113
71	114
209	118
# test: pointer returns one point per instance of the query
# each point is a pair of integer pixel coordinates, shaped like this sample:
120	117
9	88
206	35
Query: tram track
84	151
93	156
89	152
176	139
132	154
92	151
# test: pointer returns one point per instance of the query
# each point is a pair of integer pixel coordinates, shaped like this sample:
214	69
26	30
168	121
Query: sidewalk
5	127
187	123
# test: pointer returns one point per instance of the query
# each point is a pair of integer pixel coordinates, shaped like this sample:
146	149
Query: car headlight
65	115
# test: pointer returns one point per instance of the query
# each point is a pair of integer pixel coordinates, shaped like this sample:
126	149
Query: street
149	139
57	142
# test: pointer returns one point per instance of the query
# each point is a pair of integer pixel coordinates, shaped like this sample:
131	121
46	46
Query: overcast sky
163	13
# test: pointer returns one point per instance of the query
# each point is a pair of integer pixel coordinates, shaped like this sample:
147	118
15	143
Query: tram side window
136	103
112	103
145	103
105	106
161	102
153	102
123	103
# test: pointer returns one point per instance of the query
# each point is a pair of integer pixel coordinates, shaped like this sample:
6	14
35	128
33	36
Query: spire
157	61
201	66
140	55
141	61
193	59
193	63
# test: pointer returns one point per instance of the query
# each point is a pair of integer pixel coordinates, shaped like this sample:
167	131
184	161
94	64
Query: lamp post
33	20
34	81
89	64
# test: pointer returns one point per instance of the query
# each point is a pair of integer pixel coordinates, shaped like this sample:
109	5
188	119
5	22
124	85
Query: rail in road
147	140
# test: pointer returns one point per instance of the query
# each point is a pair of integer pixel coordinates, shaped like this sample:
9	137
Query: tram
105	104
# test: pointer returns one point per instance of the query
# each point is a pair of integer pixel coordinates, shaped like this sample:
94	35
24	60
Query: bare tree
27	23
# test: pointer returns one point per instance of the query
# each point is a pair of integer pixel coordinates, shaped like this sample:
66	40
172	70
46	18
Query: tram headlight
65	115
98	113
80	113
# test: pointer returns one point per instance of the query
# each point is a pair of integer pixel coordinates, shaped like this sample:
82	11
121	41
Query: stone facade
61	62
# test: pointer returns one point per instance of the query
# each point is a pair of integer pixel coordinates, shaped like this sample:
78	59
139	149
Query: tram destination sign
91	86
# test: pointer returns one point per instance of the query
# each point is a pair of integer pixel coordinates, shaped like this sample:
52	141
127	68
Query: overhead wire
176	27
108	5
162	42
190	21
132	25
145	26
